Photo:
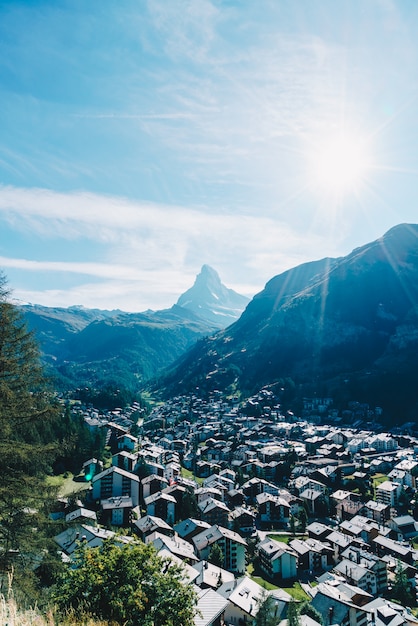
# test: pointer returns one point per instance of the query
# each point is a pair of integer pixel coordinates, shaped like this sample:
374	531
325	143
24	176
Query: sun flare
340	163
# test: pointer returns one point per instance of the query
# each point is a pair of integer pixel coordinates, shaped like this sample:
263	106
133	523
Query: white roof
210	605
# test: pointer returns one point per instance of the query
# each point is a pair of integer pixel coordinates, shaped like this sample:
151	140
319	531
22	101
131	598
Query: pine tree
26	426
402	589
293	618
303	519
266	610
216	556
311	611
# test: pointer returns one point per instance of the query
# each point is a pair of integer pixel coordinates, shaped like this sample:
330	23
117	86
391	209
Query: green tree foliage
127	584
188	505
108	395
216	556
303	519
293	617
266	611
77	442
311	611
251	554
402	589
28	417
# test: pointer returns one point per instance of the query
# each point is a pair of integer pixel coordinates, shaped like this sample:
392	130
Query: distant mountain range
345	327
91	346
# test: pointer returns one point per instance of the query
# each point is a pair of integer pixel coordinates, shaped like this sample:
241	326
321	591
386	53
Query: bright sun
339	164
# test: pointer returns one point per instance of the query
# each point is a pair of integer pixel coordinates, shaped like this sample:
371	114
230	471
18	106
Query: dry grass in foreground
11	615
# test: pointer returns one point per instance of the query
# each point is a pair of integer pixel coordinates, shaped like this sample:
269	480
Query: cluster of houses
211	484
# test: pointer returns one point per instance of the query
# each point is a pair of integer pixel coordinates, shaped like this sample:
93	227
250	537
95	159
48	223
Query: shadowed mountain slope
92	346
346	325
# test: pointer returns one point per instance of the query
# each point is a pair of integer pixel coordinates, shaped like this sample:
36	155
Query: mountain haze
88	346
336	326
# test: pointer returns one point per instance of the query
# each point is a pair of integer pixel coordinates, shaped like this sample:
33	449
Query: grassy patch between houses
66	484
286	537
186	473
378	479
297	592
264	583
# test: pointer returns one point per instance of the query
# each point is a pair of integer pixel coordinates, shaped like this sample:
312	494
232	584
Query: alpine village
220	463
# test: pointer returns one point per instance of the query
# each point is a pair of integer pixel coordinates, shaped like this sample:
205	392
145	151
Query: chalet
277	559
388	493
341	604
203	493
152	484
242	520
91	468
351	529
273	509
357	574
149	524
403	527
214	512
384	546
377	581
172	471
386	613
313	555
233	546
125	460
243	595
312	498
302	483
210	575
81	515
178	492
378	511
180	548
410	468
317	530
235	497
113	482
127	442
369	528
189	528
71	538
339	542
210	608
254	486
162	505
346	503
117	510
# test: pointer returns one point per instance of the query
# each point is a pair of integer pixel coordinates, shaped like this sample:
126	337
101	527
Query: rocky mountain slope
90	346
346	326
211	300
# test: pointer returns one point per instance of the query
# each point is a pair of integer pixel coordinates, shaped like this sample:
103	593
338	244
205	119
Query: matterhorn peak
211	299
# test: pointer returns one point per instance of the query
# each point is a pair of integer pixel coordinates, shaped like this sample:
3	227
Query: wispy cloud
154	250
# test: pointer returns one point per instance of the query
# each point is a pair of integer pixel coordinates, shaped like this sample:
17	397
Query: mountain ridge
320	324
76	341
212	300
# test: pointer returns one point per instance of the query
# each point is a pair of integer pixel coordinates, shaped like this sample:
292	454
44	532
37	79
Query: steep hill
91	346
336	326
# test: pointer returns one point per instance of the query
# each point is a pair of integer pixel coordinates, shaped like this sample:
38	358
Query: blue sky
141	139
